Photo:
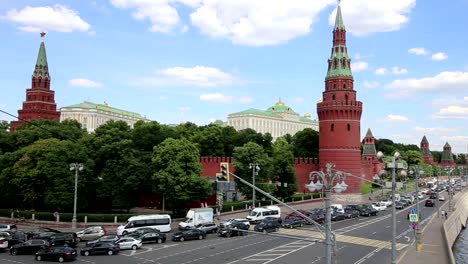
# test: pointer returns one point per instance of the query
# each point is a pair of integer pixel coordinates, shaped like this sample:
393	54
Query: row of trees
122	162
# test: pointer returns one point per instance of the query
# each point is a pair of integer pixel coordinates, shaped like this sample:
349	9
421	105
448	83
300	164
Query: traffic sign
413	211
413	218
414	225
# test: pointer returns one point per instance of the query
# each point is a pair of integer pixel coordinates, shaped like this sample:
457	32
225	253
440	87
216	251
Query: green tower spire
339	18
41	69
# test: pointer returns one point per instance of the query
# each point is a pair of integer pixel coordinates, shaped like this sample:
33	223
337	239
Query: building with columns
91	115
40	99
277	120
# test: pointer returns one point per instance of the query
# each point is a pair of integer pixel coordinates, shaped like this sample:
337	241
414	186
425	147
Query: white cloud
84	83
452	112
371	85
444	82
450	101
398	70
381	71
418	51
434	129
397	118
196	76
47	18
222	98
439	56
359	66
184	108
363	17
257	23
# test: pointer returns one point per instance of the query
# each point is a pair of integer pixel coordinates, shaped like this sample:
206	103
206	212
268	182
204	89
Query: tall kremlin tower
425	151
339	112
40	100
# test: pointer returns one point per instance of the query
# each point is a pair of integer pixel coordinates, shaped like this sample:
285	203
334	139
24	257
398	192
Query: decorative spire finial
43	35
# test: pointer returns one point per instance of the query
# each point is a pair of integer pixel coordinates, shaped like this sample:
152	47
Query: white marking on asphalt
14	261
374	233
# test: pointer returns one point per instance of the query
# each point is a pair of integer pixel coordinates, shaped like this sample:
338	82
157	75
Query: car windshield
253	213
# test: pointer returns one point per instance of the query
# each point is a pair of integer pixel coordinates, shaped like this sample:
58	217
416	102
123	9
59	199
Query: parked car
40	230
91	233
8	227
387	202
152	237
108	238
189	234
429	203
268	225
29	247
350	213
129	243
441	198
59	254
142	231
245	221
63	239
208	227
317	217
8	238
337	216
293	222
367	210
232	227
109	248
379	206
296	215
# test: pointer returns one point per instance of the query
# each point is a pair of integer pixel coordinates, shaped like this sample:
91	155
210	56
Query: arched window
333	97
332	127
349	127
334	86
346	98
344	86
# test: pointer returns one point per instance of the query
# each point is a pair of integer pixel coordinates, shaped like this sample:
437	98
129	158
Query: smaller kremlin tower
40	100
447	157
368	147
426	152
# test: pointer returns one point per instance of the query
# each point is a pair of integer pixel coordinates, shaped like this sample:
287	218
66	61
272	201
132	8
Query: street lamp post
77	167
450	189
395	164
255	168
417	171
325	181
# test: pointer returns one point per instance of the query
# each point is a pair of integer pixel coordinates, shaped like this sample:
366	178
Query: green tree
4	125
283	169
186	130
243	156
177	170
248	135
146	135
413	157
229	134
210	141
305	143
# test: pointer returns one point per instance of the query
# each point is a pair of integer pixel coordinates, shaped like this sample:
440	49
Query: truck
196	216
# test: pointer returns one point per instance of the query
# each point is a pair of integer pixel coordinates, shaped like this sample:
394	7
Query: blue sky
200	60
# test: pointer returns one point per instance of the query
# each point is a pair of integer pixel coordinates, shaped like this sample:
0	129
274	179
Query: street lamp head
411	172
319	185
72	167
338	188
397	155
421	172
344	185
311	186
403	173
380	155
382	173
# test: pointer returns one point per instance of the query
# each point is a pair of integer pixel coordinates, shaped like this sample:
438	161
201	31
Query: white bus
162	222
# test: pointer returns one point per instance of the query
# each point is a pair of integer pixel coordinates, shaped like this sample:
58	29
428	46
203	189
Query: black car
189	234
292	222
37	231
141	231
268	225
12	238
367	210
399	205
337	216
109	248
29	247
232	227
351	213
208	227
63	239
429	203
152	237
59	254
108	238
317	217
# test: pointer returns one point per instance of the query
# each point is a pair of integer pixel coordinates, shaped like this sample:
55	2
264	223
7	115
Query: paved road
361	240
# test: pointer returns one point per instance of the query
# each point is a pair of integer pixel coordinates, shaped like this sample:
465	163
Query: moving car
429	203
337	215
208	227
8	227
268	225
441	198
292	222
152	237
189	234
129	243
109	248
59	254
29	247
232	227
108	238
350	213
39	230
8	239
91	233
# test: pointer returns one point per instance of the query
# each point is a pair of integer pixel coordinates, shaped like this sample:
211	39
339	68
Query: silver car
91	233
129	243
208	227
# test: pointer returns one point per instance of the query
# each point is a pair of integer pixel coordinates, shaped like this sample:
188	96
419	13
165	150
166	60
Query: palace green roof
104	107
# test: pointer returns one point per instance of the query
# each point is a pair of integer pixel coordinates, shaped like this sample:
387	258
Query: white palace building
277	120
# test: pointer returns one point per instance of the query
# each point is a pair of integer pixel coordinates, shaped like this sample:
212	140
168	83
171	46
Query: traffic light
223	176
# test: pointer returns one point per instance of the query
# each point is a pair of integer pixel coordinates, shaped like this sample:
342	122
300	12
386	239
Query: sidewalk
434	249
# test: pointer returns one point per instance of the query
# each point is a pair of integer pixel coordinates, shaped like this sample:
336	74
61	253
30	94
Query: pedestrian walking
219	215
446	215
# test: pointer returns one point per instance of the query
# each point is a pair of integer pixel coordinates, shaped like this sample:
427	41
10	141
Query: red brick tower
368	147
339	112
40	100
426	152
447	157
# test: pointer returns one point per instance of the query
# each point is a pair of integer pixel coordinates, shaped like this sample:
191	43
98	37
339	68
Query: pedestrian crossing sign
413	218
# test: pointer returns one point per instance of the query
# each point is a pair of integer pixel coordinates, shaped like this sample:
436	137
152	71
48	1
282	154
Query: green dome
280	107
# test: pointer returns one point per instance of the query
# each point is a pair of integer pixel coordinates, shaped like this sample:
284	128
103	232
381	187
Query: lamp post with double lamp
394	165
416	171
450	188
77	167
255	168
326	180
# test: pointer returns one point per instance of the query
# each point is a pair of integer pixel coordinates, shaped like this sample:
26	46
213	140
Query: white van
258	214
162	222
338	207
